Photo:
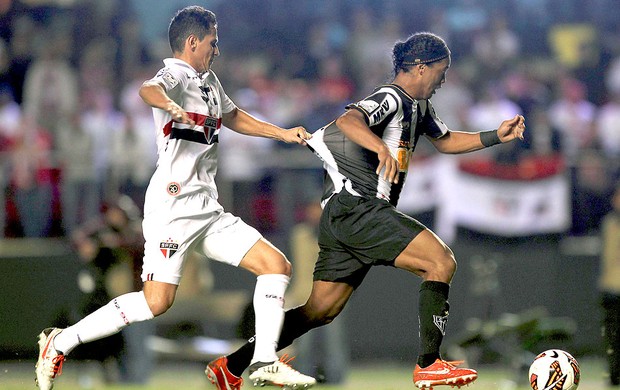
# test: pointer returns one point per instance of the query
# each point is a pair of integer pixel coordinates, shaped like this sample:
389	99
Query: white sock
105	321
269	312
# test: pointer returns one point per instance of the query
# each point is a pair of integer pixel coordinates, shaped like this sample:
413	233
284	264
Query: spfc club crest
168	248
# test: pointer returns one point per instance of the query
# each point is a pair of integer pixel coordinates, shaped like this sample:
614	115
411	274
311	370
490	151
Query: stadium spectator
51	86
182	214
609	285
10	118
20	52
490	109
362	185
80	199
130	172
32	179
608	131
495	47
573	115
592	190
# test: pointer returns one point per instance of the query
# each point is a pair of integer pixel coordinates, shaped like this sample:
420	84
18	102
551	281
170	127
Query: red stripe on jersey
199	119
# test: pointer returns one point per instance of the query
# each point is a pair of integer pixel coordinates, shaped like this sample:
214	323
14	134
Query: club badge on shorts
174	189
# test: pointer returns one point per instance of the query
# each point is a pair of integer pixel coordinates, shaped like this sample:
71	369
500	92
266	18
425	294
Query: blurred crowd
74	133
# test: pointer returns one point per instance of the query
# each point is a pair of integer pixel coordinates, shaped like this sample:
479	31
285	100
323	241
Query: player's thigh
230	240
428	256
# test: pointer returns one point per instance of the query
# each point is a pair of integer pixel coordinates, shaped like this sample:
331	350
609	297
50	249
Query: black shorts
357	233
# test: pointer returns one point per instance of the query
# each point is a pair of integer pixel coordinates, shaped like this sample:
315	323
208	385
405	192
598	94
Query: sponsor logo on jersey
378	115
173	189
168	248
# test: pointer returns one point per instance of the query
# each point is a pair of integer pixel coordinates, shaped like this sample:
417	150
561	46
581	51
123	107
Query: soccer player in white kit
182	214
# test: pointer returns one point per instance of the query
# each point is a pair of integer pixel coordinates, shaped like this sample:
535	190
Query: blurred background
524	219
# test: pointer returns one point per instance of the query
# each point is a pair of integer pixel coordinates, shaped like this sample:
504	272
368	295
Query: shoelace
57	362
286	359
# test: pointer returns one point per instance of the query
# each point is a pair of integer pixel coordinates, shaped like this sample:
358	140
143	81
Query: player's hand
511	129
296	135
387	161
178	114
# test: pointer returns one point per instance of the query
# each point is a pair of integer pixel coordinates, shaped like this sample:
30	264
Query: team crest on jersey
212	128
174	189
168	248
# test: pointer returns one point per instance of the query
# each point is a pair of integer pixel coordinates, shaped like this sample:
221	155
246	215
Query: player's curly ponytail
419	48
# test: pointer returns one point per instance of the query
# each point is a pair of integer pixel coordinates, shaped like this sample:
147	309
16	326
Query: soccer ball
554	370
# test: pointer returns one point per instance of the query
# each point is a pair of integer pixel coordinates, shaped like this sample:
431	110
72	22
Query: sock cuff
133	307
273	278
435	286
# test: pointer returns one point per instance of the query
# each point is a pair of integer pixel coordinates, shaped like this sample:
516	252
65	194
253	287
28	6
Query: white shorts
194	223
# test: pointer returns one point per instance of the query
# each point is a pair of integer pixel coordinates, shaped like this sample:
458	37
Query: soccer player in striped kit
366	155
182	214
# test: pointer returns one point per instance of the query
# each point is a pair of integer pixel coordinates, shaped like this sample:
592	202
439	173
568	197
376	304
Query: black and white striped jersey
392	115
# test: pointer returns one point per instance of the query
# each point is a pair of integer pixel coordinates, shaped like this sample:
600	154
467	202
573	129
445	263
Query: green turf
189	376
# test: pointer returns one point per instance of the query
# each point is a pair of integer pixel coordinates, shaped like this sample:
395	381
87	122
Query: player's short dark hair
419	48
187	21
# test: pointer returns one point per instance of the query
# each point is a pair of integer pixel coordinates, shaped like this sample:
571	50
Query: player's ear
191	42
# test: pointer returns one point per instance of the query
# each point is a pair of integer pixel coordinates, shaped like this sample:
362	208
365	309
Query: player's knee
159	305
322	315
447	264
277	265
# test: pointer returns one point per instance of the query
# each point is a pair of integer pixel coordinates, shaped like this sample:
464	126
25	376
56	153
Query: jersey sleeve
377	107
432	126
173	80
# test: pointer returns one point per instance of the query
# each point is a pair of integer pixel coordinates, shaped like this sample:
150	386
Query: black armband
489	138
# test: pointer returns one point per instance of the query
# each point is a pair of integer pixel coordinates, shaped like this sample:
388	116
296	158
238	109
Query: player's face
206	51
435	76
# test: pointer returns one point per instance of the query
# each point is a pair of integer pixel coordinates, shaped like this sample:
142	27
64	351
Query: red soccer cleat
442	373
217	372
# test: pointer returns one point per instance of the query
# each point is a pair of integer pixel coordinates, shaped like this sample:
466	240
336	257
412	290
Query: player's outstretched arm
247	124
455	142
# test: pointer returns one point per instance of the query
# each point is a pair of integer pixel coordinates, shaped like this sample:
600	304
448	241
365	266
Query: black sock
295	324
433	315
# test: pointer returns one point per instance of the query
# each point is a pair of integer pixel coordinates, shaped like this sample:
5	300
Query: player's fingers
380	167
303	134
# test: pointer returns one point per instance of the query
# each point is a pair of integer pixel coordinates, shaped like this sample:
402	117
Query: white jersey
187	155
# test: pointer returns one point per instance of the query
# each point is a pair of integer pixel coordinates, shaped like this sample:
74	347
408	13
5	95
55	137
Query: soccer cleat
217	372
442	373
280	373
49	365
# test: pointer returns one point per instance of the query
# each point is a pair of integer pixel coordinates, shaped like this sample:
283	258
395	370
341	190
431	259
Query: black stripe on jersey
191	135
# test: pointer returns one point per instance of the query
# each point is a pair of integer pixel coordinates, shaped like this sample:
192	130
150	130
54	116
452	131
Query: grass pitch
78	375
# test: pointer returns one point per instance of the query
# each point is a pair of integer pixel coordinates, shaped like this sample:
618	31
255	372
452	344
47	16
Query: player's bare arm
154	94
247	124
352	124
455	142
